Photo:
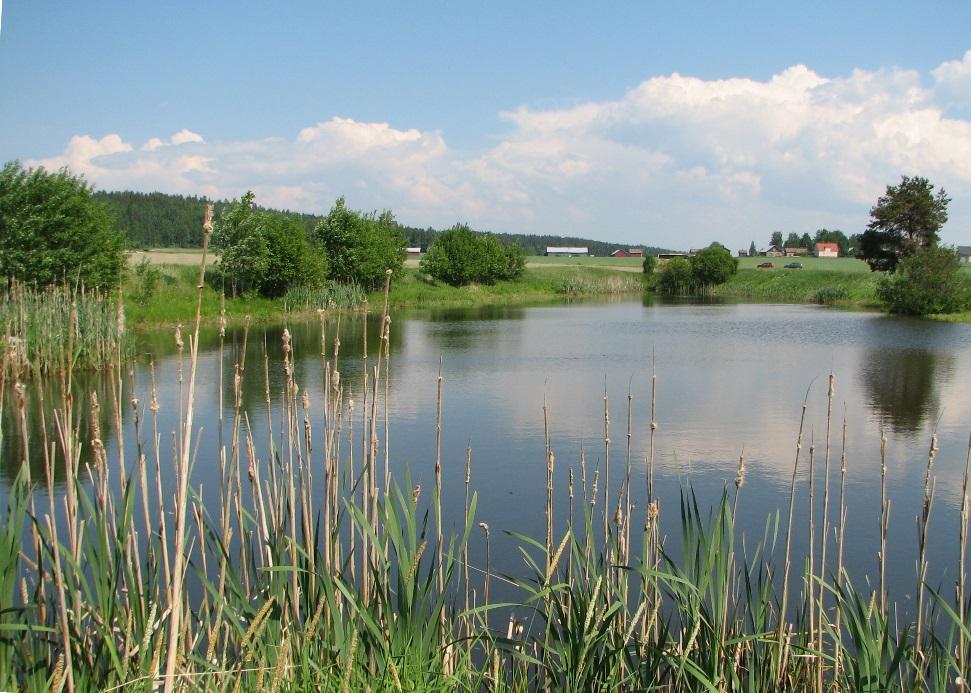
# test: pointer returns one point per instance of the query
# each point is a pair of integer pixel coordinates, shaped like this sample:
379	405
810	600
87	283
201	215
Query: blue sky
653	123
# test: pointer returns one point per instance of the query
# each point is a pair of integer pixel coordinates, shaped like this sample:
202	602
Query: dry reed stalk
884	521
183	478
438	483
606	506
837	629
961	586
627	501
465	545
830	392
488	572
62	599
549	482
783	608
923	522
810	592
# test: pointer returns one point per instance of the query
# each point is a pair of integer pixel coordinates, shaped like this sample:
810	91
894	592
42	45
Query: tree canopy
360	247
460	256
266	252
699	273
52	229
929	281
906	218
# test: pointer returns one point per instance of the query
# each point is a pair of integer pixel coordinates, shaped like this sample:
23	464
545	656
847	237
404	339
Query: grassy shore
843	282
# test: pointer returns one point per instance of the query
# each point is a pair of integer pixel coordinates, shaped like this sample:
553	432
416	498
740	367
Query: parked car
794	265
765	265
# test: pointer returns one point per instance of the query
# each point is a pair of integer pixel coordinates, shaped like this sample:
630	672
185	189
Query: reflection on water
730	376
902	386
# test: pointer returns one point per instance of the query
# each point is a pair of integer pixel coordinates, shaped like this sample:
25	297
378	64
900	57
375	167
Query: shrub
360	247
929	281
713	265
676	278
459	257
266	252
649	265
53	230
145	279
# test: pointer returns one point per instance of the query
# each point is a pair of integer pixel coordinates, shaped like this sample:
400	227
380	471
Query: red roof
828	246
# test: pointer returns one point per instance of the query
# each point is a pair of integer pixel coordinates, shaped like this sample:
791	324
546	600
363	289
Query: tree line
160	220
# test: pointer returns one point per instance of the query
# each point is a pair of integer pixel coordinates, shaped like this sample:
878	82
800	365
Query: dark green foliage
157	220
829	295
676	278
649	264
459	257
792	240
360	247
699	273
53	230
776	238
752	251
713	265
806	241
929	281
264	252
906	218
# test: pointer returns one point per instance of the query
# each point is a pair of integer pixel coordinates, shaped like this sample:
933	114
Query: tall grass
306	569
58	327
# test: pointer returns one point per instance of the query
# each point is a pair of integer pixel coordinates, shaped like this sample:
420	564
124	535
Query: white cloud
676	161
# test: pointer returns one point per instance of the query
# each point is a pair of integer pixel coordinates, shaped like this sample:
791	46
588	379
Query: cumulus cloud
676	161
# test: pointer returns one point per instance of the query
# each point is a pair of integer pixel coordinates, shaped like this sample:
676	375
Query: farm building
413	251
964	252
629	252
795	251
566	251
827	250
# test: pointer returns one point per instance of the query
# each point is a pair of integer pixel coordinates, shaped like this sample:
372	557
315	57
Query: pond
731	380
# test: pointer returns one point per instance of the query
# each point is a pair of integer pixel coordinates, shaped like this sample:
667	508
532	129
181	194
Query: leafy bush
649	265
929	281
459	257
145	279
53	230
264	251
713	265
676	278
699	273
360	247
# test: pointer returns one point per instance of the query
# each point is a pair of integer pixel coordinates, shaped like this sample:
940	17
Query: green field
838	264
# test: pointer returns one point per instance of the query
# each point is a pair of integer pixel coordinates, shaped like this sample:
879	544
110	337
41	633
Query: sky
665	124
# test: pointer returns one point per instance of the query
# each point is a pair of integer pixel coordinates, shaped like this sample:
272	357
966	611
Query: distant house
629	252
566	251
827	250
795	251
413	251
743	253
964	252
773	251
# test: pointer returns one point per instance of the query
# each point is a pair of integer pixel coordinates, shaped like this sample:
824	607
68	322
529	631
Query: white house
827	250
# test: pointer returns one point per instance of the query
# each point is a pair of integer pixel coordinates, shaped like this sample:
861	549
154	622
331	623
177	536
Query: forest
159	220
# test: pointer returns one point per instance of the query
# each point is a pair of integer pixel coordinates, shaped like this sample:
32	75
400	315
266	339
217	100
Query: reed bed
329	297
313	567
52	328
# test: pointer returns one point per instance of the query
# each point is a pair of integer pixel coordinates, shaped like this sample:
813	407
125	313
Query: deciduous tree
906	218
52	229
